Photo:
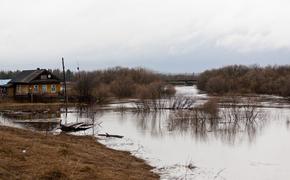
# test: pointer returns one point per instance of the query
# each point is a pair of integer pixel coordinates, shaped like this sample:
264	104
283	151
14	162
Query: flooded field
186	144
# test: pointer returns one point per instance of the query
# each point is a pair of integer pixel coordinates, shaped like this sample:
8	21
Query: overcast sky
163	35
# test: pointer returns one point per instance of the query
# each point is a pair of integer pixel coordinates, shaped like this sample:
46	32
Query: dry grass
19	106
28	106
30	155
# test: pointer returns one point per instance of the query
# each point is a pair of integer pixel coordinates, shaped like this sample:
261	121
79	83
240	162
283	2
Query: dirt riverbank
32	155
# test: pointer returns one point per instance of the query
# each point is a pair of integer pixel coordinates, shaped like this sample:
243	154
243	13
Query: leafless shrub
198	119
246	79
143	92
169	90
142	106
211	107
123	87
239	115
242	110
102	93
84	87
121	83
181	102
173	103
146	105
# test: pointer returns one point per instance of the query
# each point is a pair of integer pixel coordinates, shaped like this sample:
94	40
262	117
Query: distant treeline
74	75
122	83
272	80
8	74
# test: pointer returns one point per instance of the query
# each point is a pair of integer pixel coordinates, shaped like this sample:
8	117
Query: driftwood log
73	127
110	135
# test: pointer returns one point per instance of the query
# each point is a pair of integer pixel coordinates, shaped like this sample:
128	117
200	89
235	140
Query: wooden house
37	83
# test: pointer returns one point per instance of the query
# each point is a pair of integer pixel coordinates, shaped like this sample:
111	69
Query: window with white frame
53	88
44	88
35	88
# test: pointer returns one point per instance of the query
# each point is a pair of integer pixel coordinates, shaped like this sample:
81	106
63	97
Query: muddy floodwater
183	151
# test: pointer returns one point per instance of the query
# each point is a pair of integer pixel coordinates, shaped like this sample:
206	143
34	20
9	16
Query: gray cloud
166	35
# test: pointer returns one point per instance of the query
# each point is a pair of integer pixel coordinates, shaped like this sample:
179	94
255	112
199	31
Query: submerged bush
224	119
211	107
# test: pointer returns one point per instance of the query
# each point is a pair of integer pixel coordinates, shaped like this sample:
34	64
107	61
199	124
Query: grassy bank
29	106
31	155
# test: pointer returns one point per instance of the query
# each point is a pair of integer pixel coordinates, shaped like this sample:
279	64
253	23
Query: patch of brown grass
29	106
30	155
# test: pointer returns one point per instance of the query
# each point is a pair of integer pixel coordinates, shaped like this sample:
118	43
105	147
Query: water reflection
152	122
237	137
45	114
288	123
230	124
41	120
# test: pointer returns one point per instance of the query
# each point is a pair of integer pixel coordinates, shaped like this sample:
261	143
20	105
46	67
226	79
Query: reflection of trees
90	112
195	121
37	119
288	123
172	103
152	121
232	122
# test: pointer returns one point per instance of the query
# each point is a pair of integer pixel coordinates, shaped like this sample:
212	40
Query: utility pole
64	81
78	68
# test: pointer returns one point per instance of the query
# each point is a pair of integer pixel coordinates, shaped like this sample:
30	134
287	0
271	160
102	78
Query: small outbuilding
4	84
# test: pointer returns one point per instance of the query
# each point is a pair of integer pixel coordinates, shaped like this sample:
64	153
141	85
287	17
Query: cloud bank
167	35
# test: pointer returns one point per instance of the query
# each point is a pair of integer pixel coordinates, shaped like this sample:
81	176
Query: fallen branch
73	127
110	135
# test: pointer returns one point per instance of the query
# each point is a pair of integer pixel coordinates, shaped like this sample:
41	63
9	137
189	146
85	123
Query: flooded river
182	152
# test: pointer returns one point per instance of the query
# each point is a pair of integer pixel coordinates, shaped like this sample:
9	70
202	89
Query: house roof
4	82
27	76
